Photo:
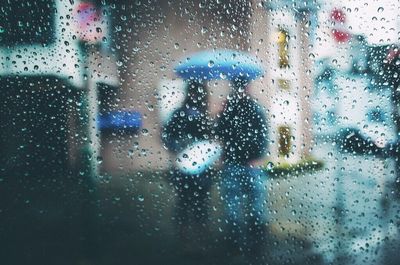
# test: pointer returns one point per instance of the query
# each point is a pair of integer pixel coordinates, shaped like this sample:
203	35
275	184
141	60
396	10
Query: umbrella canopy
220	64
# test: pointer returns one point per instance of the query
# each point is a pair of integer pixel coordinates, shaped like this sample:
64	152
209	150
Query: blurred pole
89	111
89	29
89	152
93	130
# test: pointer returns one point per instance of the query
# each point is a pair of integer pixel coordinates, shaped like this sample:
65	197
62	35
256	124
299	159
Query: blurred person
190	124
354	142
242	128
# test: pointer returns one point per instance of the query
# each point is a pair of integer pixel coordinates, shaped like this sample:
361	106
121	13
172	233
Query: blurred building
45	70
160	34
282	37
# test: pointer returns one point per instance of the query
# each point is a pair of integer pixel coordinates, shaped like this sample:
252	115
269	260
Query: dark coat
242	128
186	125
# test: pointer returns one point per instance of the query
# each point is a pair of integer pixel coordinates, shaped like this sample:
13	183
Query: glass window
199	132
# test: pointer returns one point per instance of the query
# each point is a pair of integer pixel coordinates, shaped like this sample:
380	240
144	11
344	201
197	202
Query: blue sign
120	120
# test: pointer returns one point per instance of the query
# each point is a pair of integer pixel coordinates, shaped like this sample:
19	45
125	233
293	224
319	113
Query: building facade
278	35
47	62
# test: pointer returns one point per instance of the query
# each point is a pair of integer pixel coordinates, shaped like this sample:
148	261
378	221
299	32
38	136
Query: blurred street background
88	85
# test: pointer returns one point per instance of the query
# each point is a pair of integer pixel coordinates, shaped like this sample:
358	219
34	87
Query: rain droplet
270	165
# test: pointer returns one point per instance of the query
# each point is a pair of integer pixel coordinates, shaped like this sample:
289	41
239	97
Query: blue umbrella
220	64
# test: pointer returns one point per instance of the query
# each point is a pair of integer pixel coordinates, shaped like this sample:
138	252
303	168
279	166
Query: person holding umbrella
242	131
242	128
188	125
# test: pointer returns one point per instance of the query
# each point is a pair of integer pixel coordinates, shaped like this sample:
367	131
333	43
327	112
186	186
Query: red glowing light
338	15
341	36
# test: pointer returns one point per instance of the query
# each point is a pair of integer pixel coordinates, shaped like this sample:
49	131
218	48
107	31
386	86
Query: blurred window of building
284	84
284	134
283	45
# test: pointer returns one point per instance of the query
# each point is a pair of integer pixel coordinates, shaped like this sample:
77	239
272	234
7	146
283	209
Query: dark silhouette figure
352	141
188	124
242	128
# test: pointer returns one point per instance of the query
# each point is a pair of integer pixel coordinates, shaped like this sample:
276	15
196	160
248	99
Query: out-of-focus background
86	87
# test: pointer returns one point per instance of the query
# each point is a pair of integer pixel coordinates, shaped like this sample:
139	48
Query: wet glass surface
199	132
